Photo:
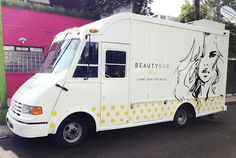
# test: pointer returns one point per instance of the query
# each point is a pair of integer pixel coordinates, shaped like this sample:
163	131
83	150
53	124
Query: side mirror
87	37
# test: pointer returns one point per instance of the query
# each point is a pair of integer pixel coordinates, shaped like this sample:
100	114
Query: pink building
26	36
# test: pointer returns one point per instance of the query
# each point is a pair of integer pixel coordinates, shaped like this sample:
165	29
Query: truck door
115	83
83	84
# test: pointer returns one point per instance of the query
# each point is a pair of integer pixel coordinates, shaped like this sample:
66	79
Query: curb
230	98
5	132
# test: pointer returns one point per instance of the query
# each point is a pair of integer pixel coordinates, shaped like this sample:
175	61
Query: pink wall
38	28
15	80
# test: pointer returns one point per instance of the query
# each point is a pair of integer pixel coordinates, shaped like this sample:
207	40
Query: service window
88	62
115	64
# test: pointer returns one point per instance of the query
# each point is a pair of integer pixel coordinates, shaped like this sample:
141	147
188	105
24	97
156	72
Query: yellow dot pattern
108	114
103	122
210	105
156	109
141	111
130	118
93	109
165	110
96	112
103	108
113	107
52	125
117	113
112	120
114	114
150	111
54	113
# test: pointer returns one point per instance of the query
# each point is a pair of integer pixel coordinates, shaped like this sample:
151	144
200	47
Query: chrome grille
16	107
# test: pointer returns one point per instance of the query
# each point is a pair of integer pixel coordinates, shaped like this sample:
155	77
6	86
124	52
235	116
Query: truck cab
68	87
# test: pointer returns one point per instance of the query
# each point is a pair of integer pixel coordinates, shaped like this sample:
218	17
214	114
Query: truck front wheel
71	132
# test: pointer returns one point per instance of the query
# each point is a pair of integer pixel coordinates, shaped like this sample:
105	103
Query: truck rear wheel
181	118
71	132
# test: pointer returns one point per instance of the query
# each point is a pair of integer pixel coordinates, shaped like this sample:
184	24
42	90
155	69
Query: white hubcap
72	132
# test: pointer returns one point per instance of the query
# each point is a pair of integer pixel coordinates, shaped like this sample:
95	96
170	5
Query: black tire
71	132
182	118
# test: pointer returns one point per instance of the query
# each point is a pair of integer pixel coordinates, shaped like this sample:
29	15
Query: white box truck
123	71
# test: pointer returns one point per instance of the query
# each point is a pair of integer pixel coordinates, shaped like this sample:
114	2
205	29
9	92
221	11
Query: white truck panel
117	32
167	46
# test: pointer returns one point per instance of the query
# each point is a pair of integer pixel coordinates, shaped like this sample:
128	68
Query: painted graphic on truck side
198	73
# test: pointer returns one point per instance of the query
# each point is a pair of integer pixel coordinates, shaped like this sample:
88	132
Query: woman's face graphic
207	64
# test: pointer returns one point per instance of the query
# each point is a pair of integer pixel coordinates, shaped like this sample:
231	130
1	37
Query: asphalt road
207	137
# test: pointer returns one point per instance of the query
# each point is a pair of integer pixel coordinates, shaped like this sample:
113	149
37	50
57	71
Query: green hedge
42	8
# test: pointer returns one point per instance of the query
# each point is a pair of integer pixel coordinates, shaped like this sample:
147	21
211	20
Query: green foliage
215	5
91	9
96	8
141	7
3	98
42	8
188	13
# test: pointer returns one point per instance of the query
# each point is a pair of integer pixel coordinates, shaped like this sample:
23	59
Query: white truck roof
200	25
103	24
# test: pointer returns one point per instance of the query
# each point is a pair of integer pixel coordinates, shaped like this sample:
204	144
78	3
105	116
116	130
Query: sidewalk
6	133
230	98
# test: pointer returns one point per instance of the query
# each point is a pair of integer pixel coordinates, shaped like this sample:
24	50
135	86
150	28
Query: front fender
57	118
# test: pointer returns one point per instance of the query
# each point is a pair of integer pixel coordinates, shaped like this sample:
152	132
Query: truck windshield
60	56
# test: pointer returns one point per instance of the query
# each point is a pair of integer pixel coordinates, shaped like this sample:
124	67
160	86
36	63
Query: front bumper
27	130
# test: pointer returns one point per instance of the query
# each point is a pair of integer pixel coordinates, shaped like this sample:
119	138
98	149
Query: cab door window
115	65
88	63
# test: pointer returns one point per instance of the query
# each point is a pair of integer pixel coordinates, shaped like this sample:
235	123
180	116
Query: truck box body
145	70
167	64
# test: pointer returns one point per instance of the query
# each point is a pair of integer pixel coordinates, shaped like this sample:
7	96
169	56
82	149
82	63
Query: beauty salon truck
123	71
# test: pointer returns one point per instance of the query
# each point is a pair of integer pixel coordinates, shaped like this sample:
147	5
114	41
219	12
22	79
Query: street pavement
207	137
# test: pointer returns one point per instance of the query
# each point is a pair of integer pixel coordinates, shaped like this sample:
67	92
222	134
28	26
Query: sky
167	7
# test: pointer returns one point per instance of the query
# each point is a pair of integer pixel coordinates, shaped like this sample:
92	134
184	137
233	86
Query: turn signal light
37	110
93	30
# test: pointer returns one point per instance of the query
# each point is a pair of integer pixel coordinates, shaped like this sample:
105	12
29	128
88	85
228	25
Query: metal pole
3	99
197	9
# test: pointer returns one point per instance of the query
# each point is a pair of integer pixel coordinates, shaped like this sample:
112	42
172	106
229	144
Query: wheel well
190	109
89	120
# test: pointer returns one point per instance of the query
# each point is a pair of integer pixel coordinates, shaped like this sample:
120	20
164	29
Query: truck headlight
33	110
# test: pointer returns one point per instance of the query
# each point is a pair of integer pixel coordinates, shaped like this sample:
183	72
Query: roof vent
208	24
